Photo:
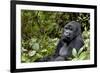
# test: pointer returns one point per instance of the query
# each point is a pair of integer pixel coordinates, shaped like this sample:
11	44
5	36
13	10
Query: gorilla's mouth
66	39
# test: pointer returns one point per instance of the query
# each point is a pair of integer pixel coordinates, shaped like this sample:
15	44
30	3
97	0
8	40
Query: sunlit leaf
74	52
33	40
24	50
83	55
32	53
39	55
81	49
44	50
35	46
24	57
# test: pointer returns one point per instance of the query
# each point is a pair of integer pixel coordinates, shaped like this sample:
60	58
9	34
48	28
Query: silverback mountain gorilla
71	38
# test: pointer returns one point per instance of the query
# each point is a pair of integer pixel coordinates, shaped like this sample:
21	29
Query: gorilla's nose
66	34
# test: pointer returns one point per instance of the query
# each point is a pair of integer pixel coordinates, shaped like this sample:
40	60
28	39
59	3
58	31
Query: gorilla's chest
64	50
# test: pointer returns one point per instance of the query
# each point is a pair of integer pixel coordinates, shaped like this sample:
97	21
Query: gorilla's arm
58	48
77	43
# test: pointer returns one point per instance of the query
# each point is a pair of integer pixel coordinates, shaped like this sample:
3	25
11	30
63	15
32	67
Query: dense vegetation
41	31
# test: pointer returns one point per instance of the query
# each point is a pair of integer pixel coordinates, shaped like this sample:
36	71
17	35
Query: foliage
41	31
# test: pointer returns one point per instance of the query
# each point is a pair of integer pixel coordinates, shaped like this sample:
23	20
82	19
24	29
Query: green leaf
74	52
75	59
44	50
32	53
39	55
81	49
33	40
35	46
83	55
23	57
23	49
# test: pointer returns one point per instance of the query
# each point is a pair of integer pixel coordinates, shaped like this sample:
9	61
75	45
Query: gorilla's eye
66	27
70	28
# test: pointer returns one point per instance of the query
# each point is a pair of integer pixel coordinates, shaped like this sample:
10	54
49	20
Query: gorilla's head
71	31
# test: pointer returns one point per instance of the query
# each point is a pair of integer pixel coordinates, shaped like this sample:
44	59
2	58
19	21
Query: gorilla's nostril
66	34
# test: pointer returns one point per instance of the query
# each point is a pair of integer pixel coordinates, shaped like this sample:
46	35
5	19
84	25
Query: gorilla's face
71	30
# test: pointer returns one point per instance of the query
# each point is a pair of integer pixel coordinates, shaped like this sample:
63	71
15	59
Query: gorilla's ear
77	43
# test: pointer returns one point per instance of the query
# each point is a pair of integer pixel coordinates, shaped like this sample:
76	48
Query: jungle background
41	31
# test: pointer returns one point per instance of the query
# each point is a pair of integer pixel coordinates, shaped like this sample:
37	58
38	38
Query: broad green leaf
28	60
24	50
33	40
23	57
74	52
44	50
35	46
39	55
55	39
81	49
83	55
32	53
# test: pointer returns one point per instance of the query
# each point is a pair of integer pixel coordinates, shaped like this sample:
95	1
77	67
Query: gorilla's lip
67	37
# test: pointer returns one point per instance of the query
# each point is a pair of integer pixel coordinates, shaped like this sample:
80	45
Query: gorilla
71	37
